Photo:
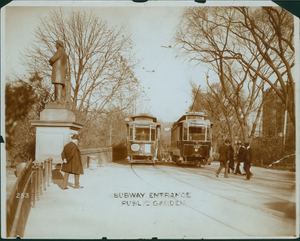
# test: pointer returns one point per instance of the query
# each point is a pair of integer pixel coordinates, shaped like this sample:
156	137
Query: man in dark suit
72	162
239	157
247	161
231	159
224	157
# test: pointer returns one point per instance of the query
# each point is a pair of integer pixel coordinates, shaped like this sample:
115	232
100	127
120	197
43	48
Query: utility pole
195	97
285	114
110	134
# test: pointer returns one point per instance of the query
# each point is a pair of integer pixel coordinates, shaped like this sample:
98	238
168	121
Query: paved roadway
205	206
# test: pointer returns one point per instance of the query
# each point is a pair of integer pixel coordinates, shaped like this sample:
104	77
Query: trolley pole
195	97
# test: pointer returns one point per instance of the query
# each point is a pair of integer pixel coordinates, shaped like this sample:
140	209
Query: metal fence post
41	177
50	169
37	178
33	186
44	175
47	173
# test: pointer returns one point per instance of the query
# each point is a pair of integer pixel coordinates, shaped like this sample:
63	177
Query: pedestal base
53	132
57	112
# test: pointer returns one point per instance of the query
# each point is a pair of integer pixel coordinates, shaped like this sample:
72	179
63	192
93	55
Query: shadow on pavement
289	208
57	177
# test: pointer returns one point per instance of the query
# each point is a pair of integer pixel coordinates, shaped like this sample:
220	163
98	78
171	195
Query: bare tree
100	63
271	31
214	103
208	36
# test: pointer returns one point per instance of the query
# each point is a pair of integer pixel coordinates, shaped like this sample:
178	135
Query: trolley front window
185	133
152	133
197	133
131	133
142	133
208	134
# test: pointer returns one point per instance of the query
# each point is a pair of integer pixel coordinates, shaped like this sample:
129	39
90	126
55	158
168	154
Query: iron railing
32	181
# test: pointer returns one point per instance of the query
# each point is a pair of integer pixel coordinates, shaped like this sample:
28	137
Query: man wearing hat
231	158
71	157
247	161
239	157
59	70
224	157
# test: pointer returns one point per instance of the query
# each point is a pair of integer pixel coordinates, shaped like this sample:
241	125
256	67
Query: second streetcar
191	138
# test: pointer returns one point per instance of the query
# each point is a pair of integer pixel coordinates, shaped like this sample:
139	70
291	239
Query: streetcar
143	134
191	138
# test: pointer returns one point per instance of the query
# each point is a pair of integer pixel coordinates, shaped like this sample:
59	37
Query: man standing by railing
71	162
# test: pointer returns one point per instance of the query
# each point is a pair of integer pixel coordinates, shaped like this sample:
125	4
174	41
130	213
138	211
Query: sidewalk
96	212
60	213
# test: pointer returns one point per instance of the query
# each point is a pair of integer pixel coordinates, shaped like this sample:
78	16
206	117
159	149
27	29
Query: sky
167	89
166	79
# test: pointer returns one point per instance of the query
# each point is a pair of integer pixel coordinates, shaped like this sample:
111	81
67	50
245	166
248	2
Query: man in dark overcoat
59	70
239	157
224	157
247	161
231	158
72	163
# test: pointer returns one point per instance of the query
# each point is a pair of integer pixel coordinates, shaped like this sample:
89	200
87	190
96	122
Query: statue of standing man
59	70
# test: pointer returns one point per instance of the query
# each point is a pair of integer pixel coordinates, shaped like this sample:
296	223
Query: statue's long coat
59	66
73	156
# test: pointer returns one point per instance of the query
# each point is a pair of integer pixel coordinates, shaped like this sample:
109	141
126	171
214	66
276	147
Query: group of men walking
226	158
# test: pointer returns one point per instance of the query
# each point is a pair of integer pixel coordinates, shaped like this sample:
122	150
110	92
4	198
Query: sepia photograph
158	119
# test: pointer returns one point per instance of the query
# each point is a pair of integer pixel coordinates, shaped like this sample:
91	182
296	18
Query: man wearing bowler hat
71	157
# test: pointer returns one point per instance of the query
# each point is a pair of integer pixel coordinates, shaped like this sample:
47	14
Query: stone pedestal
53	131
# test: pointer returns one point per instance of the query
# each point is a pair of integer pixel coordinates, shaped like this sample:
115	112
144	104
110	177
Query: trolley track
260	177
202	213
140	177
226	198
231	184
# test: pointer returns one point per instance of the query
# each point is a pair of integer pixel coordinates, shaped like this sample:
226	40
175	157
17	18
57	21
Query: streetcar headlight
135	147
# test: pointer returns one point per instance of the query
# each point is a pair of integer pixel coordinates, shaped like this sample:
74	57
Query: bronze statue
59	70
66	92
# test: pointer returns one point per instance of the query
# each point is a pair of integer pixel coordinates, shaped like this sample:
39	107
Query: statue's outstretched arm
55	57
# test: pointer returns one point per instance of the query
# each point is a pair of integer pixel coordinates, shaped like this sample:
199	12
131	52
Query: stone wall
100	156
119	153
